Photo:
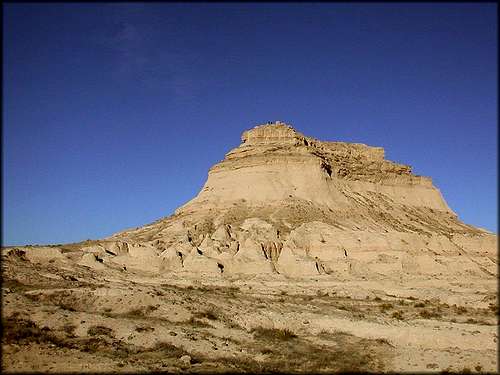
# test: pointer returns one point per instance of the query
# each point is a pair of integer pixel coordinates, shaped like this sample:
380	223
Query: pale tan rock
90	260
171	260
199	263
42	254
339	209
291	264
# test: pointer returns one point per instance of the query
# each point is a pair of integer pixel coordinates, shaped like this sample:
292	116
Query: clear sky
113	113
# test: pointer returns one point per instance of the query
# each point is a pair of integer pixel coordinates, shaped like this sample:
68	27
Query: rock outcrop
283	203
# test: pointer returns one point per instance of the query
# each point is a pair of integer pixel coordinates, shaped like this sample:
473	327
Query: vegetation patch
100	330
287	353
140	312
398	315
281	334
429	314
207	314
22	331
194	322
386	306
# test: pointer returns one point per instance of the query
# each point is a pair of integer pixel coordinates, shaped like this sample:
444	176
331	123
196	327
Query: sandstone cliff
283	203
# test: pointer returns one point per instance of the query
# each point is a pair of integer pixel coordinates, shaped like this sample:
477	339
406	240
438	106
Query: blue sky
113	113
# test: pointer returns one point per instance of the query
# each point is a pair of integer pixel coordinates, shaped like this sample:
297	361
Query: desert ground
59	316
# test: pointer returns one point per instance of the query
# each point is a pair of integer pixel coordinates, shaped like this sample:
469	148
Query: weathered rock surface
283	203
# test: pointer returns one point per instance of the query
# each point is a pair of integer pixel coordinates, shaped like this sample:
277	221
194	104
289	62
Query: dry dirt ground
75	319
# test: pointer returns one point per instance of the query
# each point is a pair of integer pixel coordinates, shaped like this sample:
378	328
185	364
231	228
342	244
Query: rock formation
293	244
283	203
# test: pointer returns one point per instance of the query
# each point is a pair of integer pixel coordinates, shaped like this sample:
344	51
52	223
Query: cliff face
283	203
275	162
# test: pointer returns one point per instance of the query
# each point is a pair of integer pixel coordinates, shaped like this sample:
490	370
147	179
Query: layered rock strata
285	204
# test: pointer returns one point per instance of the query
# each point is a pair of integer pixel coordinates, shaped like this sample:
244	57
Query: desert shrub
197	323
22	331
335	334
19	330
281	334
398	315
208	314
386	306
266	351
428	314
67	306
358	315
383	341
93	345
99	330
477	321
168	349
69	329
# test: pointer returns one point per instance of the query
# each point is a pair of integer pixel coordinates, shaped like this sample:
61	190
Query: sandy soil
59	317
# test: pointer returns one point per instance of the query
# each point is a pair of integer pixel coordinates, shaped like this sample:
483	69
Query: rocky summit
297	256
283	203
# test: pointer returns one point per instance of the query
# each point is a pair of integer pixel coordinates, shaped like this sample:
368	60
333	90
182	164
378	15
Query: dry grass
140	312
100	331
398	315
23	331
281	334
429	314
386	306
194	322
207	314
